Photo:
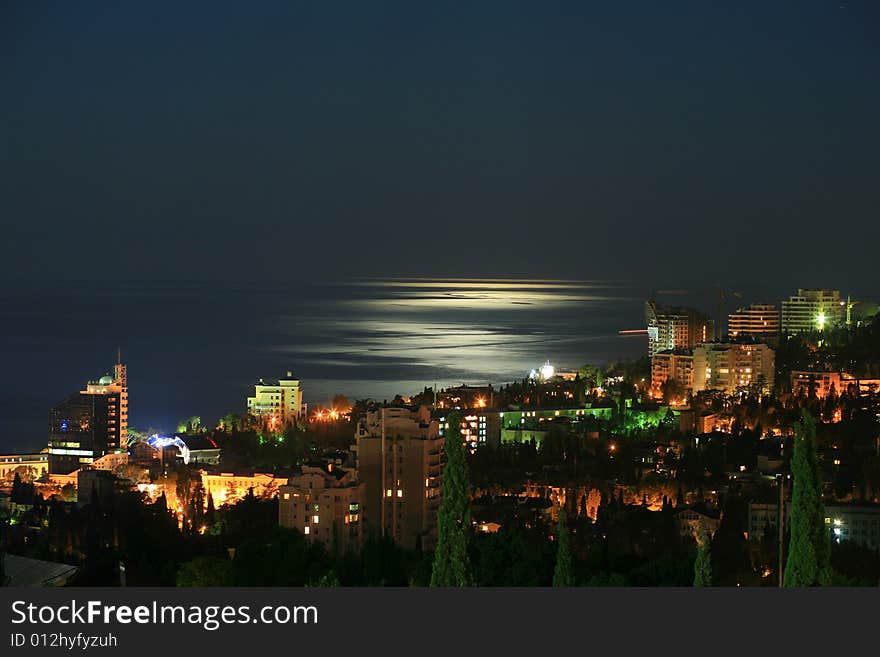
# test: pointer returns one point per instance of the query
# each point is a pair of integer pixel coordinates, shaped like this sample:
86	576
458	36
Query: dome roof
105	380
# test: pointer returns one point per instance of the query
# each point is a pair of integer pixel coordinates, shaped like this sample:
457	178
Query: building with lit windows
812	310
823	384
730	366
478	427
759	320
676	365
279	403
324	503
859	523
676	327
90	423
400	461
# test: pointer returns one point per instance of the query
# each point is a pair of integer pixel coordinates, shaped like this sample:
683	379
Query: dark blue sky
682	141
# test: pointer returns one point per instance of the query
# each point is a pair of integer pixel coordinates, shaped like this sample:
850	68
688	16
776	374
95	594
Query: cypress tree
451	564
809	550
563	574
703	562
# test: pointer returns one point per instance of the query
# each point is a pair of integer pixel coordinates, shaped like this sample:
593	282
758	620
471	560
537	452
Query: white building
812	310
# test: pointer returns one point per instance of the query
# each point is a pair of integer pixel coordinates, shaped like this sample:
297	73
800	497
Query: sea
197	348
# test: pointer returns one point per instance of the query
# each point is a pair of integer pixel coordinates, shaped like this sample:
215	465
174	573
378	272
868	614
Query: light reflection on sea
194	348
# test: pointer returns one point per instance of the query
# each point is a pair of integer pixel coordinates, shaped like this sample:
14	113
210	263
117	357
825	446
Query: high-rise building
400	461
729	366
812	310
324	504
676	327
676	365
90	423
759	320
278	403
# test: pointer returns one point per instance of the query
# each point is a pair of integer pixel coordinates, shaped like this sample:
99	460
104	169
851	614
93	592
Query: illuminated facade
677	365
478	427
730	366
278	403
676	327
400	461
759	320
812	310
325	505
822	384
35	465
230	487
89	424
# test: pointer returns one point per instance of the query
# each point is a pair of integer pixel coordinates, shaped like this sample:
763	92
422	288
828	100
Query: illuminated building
399	457
230	487
812	310
278	403
532	425
324	504
677	365
822	384
676	327
36	465
696	518
478	427
90	423
859	523
728	366
544	373
759	320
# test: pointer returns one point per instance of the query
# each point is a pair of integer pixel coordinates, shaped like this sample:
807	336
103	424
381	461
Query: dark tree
809	551
703	562
563	574
451	563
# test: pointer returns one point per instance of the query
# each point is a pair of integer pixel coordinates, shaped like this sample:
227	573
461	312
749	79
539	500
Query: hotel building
400	461
90	423
279	403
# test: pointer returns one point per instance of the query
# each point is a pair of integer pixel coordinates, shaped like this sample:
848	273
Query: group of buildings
688	348
391	479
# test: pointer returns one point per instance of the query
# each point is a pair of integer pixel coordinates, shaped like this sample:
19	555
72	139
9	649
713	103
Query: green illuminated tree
451	564
809	550
563	574
703	562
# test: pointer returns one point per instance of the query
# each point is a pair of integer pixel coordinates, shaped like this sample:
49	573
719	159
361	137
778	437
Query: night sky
682	141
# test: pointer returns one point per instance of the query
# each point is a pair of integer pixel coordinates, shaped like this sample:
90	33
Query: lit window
315	519
306	530
388	493
286	496
399	493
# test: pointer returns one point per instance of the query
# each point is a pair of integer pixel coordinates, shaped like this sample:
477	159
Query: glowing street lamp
820	320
